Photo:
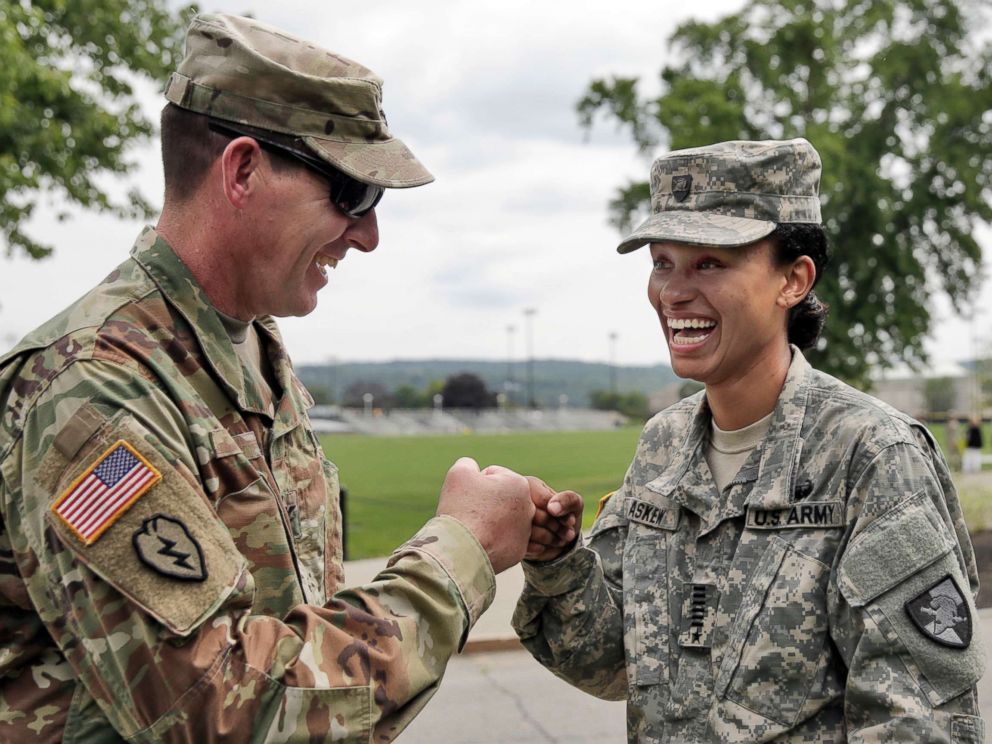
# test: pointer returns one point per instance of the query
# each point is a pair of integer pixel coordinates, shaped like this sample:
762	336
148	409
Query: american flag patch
106	490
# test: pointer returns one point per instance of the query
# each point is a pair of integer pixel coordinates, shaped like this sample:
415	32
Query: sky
484	93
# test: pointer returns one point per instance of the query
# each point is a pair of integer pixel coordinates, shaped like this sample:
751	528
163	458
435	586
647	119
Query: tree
68	109
407	396
633	404
354	394
939	395
467	390
894	95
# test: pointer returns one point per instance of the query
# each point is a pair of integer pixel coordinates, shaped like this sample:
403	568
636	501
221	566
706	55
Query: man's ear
799	278
239	165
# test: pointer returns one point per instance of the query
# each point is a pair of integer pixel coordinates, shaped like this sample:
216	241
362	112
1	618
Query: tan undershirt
248	347
728	450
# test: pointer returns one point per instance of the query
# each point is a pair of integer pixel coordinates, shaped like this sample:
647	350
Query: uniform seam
31	403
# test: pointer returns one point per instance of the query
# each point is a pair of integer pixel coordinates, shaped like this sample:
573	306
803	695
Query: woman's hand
556	523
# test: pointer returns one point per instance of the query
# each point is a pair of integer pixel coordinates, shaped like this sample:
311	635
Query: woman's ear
799	278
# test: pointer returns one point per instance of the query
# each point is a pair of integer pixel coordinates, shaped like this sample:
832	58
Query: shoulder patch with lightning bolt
165	545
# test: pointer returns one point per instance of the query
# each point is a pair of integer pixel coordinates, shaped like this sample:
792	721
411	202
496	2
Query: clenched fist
494	504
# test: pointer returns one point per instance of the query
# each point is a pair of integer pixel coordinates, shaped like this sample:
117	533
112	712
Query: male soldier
170	539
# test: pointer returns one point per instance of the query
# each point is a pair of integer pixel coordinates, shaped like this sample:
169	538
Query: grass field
393	482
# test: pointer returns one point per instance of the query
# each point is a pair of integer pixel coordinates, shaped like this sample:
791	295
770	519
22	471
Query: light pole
529	313
509	384
613	362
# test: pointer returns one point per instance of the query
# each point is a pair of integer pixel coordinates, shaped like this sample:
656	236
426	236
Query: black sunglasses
353	197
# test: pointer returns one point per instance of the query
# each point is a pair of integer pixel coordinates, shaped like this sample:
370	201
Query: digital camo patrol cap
731	193
242	71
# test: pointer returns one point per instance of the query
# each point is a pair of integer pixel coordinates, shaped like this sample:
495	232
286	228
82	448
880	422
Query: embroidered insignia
698	615
107	489
803	489
681	185
810	514
164	544
942	615
643	512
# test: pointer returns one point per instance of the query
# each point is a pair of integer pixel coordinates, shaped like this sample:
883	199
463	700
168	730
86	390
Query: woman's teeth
687	331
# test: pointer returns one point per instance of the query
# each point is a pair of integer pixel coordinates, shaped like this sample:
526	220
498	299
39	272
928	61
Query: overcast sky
484	92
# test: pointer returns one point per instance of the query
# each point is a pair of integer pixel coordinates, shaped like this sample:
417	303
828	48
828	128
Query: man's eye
709	264
661	264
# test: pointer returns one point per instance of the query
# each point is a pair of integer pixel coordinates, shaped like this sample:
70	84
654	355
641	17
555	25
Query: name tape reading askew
644	513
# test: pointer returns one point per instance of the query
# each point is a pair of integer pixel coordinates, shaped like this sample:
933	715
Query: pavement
495	693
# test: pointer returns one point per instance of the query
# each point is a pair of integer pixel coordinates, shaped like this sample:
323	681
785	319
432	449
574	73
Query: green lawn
393	482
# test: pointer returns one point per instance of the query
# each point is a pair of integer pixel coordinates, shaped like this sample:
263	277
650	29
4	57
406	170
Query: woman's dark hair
792	240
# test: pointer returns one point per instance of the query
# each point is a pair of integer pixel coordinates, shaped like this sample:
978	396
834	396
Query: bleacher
403	422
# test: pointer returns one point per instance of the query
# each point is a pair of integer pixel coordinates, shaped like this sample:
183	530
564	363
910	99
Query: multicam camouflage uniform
211	608
827	595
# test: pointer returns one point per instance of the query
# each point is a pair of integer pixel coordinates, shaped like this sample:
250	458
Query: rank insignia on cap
105	490
942	614
681	186
165	545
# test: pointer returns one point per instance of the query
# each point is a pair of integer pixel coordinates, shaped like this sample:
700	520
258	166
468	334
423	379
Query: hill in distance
552	377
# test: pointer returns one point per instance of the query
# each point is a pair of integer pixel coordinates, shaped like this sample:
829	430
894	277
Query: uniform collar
181	290
687	481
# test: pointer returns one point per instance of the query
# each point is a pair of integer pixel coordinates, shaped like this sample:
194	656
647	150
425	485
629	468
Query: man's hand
557	521
494	504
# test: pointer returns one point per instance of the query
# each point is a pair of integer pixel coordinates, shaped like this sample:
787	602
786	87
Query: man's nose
363	233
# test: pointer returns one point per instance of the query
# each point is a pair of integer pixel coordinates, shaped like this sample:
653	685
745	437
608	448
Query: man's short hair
189	148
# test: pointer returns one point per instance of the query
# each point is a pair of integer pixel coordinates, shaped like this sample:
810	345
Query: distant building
940	390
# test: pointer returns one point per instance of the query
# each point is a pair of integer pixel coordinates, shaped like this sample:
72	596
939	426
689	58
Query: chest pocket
258	521
646	589
310	490
779	645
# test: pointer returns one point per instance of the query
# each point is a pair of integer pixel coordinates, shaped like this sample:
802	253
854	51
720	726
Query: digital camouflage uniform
778	610
114	640
825	596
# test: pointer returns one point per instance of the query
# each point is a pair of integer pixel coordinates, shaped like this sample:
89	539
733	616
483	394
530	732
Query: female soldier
786	559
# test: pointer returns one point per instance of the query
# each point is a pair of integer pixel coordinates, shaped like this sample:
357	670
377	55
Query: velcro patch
813	514
104	491
941	614
652	515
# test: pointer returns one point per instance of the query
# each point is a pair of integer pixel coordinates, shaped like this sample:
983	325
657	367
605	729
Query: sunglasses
353	197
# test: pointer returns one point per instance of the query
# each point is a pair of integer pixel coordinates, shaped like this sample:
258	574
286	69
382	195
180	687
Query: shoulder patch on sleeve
105	491
602	503
166	550
941	613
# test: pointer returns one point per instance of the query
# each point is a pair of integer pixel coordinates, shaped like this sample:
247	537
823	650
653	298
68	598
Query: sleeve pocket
901	557
895	546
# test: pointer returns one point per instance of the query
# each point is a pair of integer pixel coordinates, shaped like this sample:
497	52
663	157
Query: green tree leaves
68	109
896	97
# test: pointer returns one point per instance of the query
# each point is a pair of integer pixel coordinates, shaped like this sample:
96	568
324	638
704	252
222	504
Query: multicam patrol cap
731	193
247	73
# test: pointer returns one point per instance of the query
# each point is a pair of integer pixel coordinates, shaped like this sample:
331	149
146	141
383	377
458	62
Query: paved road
491	698
508	698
